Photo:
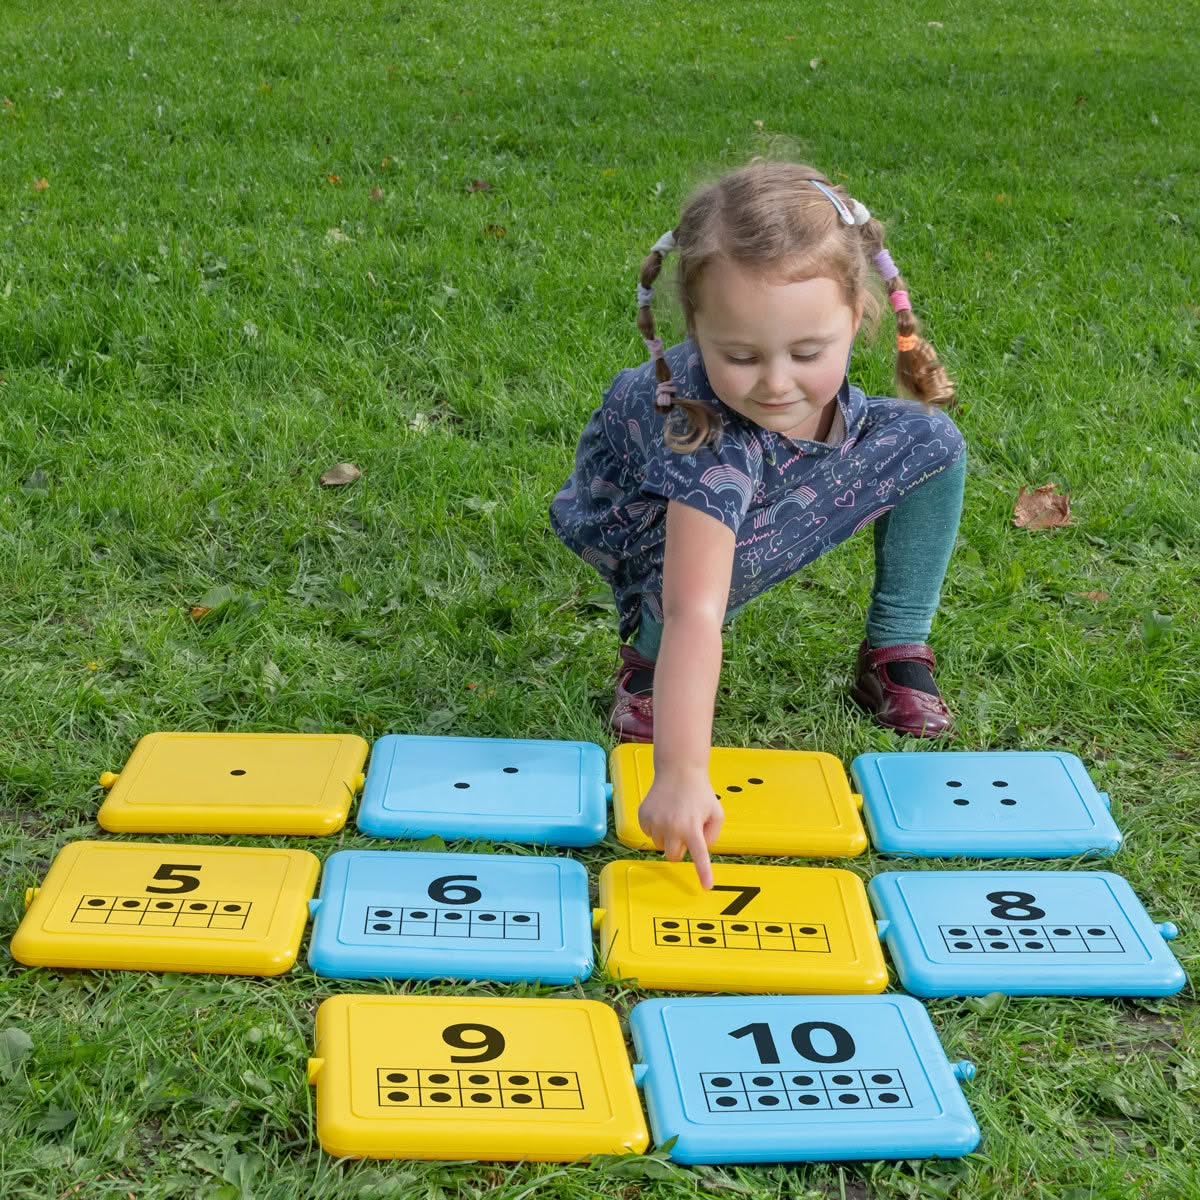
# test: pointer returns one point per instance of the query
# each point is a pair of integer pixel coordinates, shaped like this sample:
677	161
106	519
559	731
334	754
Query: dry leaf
1042	508
387	162
376	194
1094	597
497	230
340	475
41	185
789	37
479	185
334	178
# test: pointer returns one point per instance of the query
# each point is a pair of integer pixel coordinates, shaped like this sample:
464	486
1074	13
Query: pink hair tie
655	346
899	300
884	265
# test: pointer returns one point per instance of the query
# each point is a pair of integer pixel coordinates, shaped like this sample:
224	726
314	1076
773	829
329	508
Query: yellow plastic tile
448	1077
777	802
760	929
142	907
291	783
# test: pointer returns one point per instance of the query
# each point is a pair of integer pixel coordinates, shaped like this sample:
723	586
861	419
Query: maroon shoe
904	709
632	716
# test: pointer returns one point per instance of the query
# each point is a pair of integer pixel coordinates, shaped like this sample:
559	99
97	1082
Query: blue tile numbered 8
1026	804
799	1078
503	789
1025	933
392	914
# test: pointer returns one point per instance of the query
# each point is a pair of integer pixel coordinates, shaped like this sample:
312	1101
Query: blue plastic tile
790	1079
1019	804
497	788
401	915
1026	933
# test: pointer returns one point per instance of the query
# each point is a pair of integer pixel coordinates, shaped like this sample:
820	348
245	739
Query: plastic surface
144	907
777	802
286	783
1026	933
996	804
760	929
498	788
790	1079
449	1077
393	914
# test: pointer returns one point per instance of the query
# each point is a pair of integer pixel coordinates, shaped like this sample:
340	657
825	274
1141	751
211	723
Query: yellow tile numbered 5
776	802
143	907
760	929
289	783
452	1077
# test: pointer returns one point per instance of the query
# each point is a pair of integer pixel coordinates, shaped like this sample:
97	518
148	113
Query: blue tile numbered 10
1019	804
502	789
799	1078
400	915
1025	933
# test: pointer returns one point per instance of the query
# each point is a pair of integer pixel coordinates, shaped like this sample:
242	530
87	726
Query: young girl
729	461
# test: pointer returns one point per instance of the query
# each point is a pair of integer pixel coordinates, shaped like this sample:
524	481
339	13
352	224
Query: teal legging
913	543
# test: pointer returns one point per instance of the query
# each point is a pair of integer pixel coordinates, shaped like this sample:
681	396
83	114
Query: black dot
998	945
739	928
233	908
477	1079
558	1080
237	772
808	929
707	941
957	932
1027	932
961	802
842	1080
487	916
768	1100
418	915
705	925
721	1081
888	1097
462	785
510	770
993	932
197	907
439	1079
163	904
881	1079
397	1077
518	1080
521	919
848	1098
95	903
726	1101
381	928
754	781
1035	945
670	924
453	916
439	1097
763	1081
671	937
999	783
397	1095
810	1099
1097	932
1062	933
520	1098
134	904
733	787
953	783
773	928
962	945
802	1080
481	1097
1008	801
384	912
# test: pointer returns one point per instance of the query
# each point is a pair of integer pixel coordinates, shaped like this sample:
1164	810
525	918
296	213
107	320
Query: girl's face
774	352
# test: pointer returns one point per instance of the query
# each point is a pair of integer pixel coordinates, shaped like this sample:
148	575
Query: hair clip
856	214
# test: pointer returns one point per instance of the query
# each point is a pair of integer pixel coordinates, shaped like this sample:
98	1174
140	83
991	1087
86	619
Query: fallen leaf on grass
334	178
479	185
40	185
340	475
376	194
1094	597
497	230
1042	508
212	600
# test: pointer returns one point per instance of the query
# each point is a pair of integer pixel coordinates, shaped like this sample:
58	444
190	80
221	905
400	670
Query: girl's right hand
681	812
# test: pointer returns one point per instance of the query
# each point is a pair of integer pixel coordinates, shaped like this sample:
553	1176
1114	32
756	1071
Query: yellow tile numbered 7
142	907
288	783
760	929
452	1077
777	802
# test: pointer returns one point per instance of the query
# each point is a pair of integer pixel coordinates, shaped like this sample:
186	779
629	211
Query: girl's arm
680	811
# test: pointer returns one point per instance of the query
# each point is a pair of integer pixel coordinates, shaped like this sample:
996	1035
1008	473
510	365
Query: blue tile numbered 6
1018	804
794	1079
1025	933
503	789
401	915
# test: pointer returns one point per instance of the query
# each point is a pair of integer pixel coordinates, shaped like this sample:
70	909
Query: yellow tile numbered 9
777	802
141	907
451	1077
760	929
289	783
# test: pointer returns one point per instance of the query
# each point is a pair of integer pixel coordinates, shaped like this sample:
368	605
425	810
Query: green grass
185	345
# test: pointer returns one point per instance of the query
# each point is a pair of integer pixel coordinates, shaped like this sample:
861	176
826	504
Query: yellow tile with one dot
144	907
777	802
453	1077
760	929
287	783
